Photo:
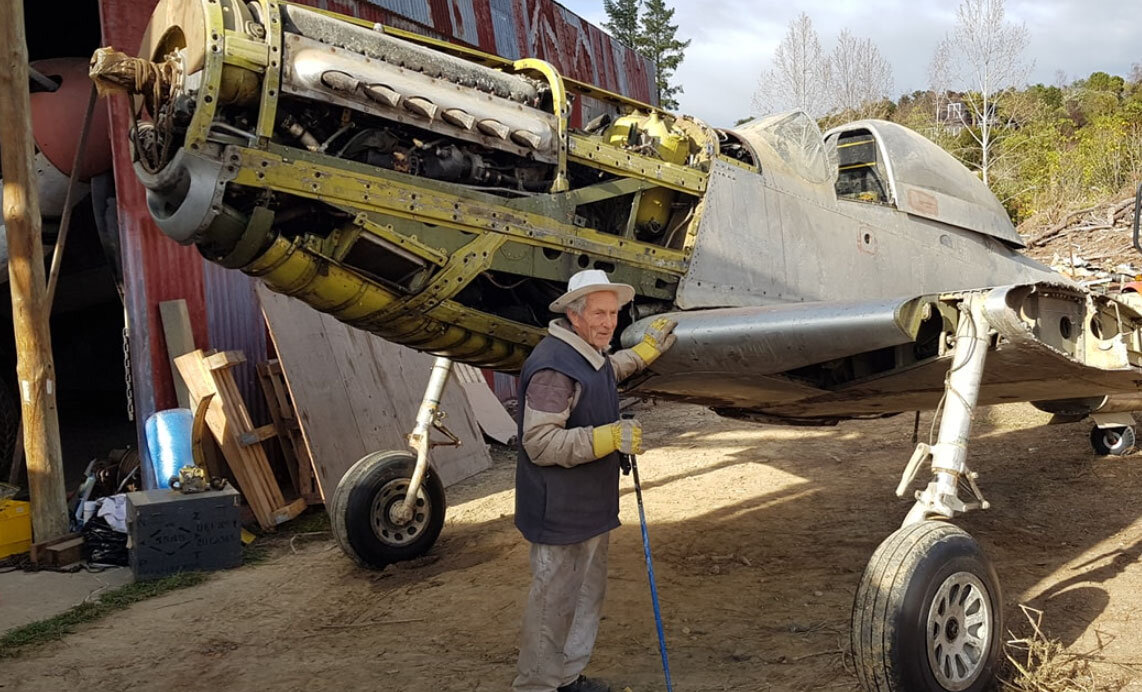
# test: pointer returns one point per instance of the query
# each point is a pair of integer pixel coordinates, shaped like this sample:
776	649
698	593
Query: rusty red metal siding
440	19
550	31
542	29
154	268
485	27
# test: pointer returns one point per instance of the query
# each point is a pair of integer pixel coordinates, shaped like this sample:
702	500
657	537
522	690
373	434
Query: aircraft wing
817	363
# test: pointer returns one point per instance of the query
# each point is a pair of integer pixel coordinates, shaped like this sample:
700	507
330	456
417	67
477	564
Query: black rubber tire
351	512
890	611
1116	441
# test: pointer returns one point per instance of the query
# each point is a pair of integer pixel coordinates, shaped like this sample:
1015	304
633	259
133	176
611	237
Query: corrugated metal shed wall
515	29
154	268
223	310
235	323
503	28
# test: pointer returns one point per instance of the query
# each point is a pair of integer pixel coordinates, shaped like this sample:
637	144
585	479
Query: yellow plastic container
15	527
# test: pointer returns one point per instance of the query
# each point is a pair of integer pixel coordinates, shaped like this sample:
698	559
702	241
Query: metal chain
127	373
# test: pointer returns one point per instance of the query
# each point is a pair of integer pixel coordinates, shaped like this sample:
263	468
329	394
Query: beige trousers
568	583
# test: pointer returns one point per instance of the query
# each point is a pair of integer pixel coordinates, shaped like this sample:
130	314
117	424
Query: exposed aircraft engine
440	198
428	193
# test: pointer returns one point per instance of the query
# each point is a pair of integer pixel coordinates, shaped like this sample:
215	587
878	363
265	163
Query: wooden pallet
288	431
207	374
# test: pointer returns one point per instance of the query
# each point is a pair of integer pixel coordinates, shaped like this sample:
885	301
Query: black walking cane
629	463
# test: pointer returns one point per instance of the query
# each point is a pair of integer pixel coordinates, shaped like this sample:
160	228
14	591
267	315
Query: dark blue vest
557	505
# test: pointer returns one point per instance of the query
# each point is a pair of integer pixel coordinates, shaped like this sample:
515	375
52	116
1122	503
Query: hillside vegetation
1059	149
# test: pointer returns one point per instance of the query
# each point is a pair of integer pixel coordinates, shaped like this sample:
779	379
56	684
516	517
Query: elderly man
567	476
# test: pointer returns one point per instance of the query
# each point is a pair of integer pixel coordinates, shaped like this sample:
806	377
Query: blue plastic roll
168	437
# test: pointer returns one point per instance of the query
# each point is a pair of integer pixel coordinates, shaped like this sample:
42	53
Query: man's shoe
586	684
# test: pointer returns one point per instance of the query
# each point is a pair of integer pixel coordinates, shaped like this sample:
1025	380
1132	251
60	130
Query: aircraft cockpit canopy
886	163
797	143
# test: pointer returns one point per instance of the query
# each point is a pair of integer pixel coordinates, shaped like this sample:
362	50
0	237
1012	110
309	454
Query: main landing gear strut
928	610
390	505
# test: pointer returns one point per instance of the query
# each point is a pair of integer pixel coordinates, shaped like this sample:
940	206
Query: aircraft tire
906	632
360	517
1116	441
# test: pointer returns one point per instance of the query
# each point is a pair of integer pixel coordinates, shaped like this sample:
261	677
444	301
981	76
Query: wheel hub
959	631
384	516
952	629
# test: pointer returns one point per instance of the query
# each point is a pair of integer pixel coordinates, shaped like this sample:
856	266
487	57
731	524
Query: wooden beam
179	336
63	550
258	435
35	370
224	359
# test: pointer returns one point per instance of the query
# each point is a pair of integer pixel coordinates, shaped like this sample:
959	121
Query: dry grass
52	629
1039	664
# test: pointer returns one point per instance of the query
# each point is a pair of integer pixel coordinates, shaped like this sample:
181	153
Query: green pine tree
622	20
657	41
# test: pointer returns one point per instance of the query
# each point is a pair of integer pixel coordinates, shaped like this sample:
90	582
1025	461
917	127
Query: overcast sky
732	41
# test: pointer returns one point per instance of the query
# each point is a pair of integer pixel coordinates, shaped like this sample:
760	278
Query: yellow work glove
621	436
658	338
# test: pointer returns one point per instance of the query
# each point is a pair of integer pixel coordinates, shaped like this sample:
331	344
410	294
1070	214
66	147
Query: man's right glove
621	436
657	339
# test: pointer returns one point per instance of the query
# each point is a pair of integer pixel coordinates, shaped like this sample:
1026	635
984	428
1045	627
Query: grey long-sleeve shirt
550	397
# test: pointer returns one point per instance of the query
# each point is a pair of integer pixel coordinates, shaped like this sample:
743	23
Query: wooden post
34	368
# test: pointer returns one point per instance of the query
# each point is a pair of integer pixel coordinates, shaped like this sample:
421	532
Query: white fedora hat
589	281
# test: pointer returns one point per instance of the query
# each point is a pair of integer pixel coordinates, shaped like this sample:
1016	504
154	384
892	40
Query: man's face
596	325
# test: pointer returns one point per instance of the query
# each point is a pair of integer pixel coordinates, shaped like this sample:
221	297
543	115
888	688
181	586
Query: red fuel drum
57	118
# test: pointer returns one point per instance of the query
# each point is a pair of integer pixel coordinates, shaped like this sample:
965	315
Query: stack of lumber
208	379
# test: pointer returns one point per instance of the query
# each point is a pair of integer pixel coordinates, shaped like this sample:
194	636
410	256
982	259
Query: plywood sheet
356	393
493	418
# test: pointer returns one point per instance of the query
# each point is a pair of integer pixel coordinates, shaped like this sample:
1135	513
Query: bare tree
940	78
989	52
861	77
1136	73
799	78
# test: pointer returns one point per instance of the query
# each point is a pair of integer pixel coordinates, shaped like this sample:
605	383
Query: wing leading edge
817	363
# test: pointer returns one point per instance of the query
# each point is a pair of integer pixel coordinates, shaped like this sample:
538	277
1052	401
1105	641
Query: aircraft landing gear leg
928	610
390	505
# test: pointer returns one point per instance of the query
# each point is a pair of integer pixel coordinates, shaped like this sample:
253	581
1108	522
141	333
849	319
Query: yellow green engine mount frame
377	175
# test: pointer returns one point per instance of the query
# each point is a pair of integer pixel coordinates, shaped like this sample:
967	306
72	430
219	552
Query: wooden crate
207	374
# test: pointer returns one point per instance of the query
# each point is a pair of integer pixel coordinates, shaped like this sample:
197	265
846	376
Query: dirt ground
760	534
